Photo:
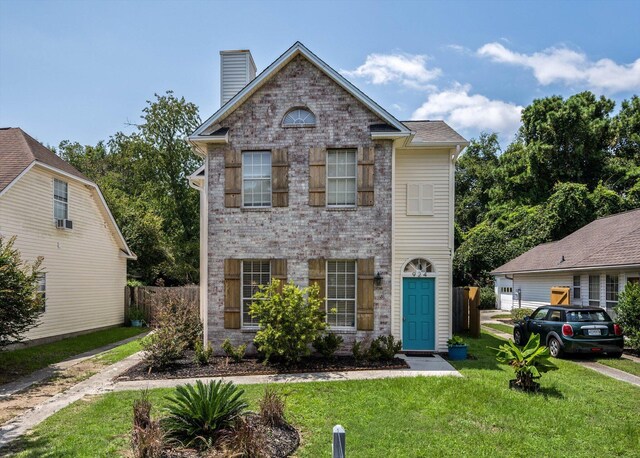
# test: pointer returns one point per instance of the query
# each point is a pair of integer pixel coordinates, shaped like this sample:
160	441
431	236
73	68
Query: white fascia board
411	144
390	135
16	179
293	51
129	253
196	180
570	269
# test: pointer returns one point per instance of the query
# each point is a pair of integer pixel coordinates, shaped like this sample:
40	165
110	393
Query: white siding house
84	262
595	262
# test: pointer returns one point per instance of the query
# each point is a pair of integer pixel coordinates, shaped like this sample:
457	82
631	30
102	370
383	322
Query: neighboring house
308	180
595	262
59	214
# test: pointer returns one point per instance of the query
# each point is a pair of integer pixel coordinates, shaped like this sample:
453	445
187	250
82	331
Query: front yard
579	410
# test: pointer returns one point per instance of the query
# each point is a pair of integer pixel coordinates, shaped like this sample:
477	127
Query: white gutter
569	269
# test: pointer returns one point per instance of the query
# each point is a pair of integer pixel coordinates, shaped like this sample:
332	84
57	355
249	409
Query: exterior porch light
378	279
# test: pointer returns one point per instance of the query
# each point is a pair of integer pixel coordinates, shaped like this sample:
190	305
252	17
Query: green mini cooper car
572	330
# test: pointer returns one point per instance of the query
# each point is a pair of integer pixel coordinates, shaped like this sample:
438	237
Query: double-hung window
612	291
576	288
341	294
594	290
42	289
254	274
60	199
342	177
256	179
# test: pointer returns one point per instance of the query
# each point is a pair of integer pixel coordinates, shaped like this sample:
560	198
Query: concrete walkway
45	373
103	382
611	372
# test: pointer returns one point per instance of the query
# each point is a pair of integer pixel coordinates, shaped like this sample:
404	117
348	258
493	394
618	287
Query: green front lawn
500	327
622	364
17	363
579	411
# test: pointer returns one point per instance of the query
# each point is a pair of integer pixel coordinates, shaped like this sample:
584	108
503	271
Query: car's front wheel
517	336
554	347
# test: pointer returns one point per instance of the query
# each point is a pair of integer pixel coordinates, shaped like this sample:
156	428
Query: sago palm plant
197	414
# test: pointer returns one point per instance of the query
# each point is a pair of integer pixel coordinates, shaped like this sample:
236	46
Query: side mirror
527	318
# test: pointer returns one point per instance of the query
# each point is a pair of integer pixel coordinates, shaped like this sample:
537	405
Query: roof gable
297	49
610	241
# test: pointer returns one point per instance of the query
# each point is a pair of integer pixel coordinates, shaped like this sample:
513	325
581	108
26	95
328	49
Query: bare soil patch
221	366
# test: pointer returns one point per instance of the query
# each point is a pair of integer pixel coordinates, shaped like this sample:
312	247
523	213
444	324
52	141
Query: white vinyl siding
342	177
535	289
254	274
86	269
60	199
256	179
236	71
416	236
341	294
419	199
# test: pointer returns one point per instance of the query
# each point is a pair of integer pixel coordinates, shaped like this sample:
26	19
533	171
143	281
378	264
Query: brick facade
299	232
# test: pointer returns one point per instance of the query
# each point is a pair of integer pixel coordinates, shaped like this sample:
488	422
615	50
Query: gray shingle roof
18	150
610	241
433	131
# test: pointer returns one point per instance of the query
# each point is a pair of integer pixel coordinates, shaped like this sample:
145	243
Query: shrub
628	314
172	310
358	351
384	348
162	347
20	304
487	298
247	439
135	314
528	363
147	439
235	353
289	320
519	314
202	355
272	407
455	340
327	344
197	414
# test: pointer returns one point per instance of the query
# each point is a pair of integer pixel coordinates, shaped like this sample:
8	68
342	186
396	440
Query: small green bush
384	348
289	320
197	414
202	355
235	353
456	340
162	347
487	298
520	313
359	351
135	314
327	344
628	314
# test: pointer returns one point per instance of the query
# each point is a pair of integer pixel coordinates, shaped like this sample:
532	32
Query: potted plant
457	348
136	317
528	362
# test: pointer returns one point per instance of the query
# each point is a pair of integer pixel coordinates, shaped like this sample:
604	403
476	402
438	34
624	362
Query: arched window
299	117
418	267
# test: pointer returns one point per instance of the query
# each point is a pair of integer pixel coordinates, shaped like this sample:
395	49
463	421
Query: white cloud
471	112
564	65
406	69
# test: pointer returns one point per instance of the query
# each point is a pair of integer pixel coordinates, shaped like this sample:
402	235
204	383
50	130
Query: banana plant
528	363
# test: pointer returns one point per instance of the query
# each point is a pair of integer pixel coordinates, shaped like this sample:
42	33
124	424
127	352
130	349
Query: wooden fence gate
145	298
466	310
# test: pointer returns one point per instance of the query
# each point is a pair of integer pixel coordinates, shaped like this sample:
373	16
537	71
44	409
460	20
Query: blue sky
82	70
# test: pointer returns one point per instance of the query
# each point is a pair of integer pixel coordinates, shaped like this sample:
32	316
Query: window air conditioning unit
64	224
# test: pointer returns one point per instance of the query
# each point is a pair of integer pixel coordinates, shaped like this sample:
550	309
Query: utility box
560	295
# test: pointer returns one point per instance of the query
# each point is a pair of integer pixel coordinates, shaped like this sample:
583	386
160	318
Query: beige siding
86	271
423	236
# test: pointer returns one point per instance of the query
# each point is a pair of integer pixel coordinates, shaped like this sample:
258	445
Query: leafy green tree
20	303
628	313
627	130
606	202
567	210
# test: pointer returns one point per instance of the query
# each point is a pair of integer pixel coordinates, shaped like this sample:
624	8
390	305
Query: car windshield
587	315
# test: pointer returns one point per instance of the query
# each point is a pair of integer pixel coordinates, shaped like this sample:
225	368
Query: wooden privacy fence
466	310
146	298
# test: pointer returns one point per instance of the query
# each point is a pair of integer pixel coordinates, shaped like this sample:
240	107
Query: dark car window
587	315
555	315
540	314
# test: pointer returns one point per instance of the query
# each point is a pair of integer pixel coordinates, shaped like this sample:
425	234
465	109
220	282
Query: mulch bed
276	442
221	366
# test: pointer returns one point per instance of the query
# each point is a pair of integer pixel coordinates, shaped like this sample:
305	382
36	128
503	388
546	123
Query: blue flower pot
136	323
458	352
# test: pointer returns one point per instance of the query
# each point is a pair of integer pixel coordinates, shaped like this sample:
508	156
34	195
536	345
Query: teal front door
418	314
